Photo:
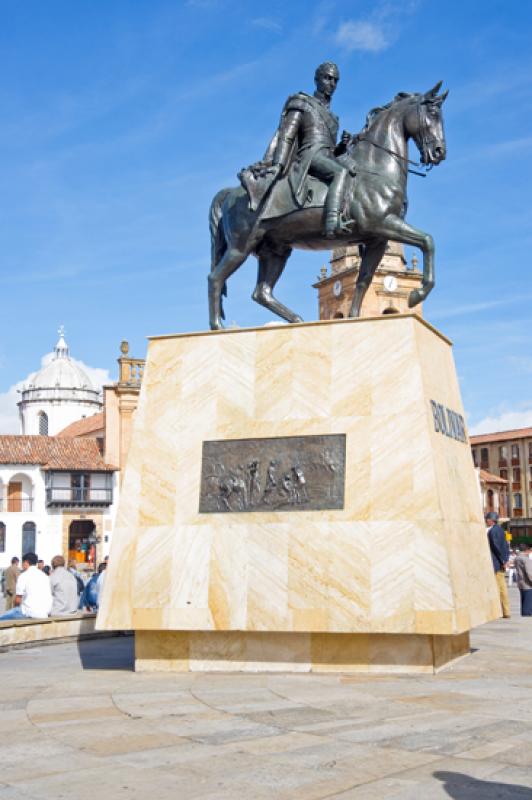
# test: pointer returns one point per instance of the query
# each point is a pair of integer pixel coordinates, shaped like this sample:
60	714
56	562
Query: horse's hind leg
373	252
272	262
230	261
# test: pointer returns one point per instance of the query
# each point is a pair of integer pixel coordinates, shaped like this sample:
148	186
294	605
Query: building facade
387	294
57	496
58	394
508	455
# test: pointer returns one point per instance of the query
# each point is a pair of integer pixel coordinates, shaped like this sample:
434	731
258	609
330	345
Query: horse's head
424	123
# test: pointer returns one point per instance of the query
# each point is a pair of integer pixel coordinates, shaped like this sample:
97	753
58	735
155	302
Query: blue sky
120	120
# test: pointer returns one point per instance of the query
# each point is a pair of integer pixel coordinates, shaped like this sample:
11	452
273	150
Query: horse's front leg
398	230
272	262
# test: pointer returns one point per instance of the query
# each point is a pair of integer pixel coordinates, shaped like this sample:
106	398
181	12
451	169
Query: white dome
61	373
57	395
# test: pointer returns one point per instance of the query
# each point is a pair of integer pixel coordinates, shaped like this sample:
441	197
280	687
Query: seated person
89	598
64	589
33	596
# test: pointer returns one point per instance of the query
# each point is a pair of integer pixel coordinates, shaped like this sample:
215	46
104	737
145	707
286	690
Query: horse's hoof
414	298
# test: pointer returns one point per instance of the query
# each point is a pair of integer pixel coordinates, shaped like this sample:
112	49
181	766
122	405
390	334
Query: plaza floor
78	723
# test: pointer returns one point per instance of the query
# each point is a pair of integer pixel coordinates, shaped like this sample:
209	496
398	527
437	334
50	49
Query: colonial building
388	293
508	455
57	496
58	394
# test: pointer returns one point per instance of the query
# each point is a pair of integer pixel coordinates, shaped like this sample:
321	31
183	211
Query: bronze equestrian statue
309	192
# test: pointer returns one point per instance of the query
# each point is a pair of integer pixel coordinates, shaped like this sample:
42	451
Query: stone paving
77	723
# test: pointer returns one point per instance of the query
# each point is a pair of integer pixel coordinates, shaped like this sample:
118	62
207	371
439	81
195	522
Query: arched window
2	537
390	310
43	424
338	315
28	537
489	499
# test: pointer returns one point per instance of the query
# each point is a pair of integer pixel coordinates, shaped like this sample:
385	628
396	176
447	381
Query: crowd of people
37	591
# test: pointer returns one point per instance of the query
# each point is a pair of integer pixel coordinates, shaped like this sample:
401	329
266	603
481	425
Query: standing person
10	577
33	597
64	589
500	553
523	569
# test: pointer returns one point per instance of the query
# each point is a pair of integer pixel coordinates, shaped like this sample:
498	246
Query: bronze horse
374	209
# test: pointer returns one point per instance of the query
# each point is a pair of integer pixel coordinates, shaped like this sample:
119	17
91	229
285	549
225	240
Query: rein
424	146
400	157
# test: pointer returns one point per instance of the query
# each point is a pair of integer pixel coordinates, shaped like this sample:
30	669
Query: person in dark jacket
523	570
500	553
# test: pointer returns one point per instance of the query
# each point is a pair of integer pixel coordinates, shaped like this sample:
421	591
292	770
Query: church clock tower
388	294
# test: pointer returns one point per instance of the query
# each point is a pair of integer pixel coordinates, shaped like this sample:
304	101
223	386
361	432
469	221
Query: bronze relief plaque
287	473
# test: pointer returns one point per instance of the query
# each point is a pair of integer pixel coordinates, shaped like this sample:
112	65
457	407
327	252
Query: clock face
337	288
390	283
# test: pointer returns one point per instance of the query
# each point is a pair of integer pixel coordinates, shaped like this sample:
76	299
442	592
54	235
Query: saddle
276	198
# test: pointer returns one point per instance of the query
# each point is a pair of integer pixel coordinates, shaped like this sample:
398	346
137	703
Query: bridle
425	142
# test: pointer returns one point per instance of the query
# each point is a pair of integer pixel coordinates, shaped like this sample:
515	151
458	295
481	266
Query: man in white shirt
64	589
33	596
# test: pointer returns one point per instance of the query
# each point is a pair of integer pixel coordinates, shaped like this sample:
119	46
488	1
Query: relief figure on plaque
254	483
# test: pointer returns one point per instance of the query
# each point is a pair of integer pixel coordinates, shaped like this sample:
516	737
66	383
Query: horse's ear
442	98
431	95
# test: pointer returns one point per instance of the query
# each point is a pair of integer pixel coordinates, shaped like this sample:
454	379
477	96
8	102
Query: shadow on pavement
462	787
115	652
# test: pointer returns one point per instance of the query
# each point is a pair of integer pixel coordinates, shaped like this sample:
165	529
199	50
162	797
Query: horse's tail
218	242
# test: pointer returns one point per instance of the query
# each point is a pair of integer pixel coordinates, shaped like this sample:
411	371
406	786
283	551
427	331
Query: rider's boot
333	204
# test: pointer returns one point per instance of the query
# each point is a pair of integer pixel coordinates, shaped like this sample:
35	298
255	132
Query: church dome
61	372
58	394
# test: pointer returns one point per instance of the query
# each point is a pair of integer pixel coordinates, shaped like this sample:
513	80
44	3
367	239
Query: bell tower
388	294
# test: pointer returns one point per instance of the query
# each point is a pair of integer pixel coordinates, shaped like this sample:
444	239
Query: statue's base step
239	651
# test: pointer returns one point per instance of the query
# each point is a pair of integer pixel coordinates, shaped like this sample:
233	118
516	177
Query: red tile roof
489	477
83	427
53	453
501	436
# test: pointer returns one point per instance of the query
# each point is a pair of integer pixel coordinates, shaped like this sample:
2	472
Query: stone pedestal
393	580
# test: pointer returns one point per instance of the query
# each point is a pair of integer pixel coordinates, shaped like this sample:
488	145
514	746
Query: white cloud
9	419
506	421
267	24
362	35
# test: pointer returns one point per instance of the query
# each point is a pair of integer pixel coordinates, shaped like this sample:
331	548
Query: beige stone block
405	559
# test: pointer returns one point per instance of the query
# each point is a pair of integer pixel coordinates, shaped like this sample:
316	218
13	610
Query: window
515	451
475	458
43	424
28	537
80	483
489	499
518	501
2	537
503	452
484	456
504	474
516	475
530	449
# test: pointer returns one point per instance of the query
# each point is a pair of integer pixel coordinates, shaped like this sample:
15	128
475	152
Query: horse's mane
375	112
